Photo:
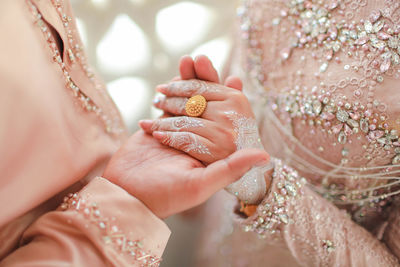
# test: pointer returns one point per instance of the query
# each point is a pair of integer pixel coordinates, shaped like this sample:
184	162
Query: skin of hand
213	132
168	181
202	68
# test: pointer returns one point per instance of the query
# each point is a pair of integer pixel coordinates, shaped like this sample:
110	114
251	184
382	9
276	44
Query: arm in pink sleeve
314	230
102	225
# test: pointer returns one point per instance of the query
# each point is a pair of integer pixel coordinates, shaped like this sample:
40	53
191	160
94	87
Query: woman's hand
168	181
227	124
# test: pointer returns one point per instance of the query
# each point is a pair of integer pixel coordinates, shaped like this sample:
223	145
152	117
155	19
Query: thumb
226	171
186	68
234	82
205	70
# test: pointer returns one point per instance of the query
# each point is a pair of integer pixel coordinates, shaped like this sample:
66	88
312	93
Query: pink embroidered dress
58	129
323	78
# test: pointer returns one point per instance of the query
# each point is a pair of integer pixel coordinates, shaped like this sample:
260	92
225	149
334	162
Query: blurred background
135	45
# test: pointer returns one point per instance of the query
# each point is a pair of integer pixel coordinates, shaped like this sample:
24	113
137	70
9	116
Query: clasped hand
189	159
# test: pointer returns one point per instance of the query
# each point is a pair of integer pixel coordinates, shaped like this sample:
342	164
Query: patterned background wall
135	45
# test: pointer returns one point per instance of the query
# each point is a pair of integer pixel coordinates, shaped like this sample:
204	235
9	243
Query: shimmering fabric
322	77
52	143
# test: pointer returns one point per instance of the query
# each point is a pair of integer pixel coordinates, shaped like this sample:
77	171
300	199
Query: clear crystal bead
317	107
342	115
396	159
342	139
364	125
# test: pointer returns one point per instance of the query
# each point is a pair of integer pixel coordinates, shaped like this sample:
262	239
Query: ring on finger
196	105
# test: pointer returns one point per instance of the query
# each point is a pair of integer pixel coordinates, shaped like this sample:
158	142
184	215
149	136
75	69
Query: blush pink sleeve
102	225
315	231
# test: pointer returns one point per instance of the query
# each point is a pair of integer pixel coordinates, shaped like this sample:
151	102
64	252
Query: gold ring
196	105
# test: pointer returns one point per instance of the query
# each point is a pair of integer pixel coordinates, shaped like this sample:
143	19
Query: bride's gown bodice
329	71
323	78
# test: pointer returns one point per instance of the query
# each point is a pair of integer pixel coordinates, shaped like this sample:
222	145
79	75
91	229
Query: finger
234	82
196	146
226	171
176	78
211	91
172	105
178	124
222	140
205	70
176	106
186	68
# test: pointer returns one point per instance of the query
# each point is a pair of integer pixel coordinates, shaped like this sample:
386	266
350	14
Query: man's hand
168	181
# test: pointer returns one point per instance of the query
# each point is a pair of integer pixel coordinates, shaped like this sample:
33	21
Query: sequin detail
274	210
315	28
328	245
111	234
343	120
323	38
75	54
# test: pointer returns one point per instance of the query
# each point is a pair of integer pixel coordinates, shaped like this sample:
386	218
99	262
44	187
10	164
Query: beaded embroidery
328	34
315	27
75	54
343	120
274	211
110	232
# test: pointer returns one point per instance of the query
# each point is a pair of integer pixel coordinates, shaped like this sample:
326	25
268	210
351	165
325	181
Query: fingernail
146	124
158	99
162	88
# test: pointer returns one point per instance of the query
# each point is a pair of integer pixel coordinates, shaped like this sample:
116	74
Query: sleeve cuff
123	223
274	211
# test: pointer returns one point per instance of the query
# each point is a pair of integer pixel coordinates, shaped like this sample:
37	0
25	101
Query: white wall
136	44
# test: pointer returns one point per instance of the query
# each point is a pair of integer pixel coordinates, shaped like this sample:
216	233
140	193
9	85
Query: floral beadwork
110	232
75	53
328	245
326	37
274	211
343	119
315	27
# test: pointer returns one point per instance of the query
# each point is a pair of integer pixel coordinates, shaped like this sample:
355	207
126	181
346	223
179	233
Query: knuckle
228	134
222	114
